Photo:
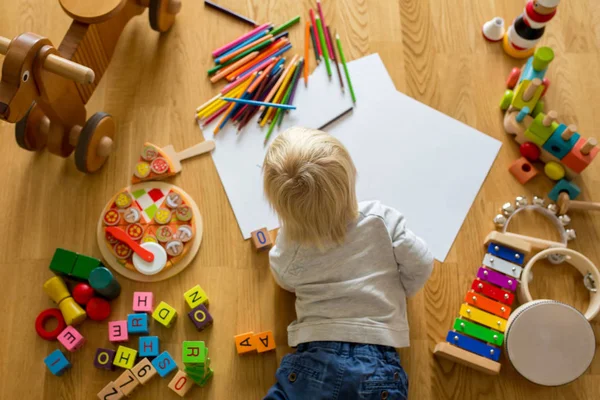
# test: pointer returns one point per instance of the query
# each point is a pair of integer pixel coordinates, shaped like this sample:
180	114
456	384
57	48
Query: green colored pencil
279	113
283	27
323	45
343	58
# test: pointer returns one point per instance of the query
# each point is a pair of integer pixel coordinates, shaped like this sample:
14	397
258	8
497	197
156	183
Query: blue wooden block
506	253
137	323
564	186
557	146
148	346
164	364
57	363
473	345
529	74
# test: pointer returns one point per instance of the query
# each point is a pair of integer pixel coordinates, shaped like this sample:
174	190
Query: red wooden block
493	292
98	309
523	170
82	293
530	151
576	160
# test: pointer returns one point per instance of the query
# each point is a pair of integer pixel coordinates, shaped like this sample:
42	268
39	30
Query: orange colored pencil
281	89
234	66
242	91
306	40
277	84
265	54
243	49
263	76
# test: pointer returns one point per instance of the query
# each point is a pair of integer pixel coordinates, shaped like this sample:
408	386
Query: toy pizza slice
157	163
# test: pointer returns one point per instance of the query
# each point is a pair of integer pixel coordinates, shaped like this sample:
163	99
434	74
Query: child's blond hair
309	179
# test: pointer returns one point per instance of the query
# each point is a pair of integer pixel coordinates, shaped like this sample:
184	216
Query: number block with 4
261	239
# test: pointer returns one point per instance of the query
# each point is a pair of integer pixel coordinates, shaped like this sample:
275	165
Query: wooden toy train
564	152
44	90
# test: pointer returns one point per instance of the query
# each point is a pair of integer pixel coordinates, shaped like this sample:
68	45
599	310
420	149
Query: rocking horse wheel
95	142
28	131
162	14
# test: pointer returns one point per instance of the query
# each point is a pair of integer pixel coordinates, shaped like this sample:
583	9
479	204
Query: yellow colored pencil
244	87
281	89
218	103
277	84
209	102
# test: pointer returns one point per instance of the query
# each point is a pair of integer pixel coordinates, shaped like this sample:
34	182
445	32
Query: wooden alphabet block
127	383
474	346
194	353
458	355
200	317
482	317
125	357
148	346
576	160
264	341
164	364
244	343
63	261
165	314
493	292
104	359
137	323
57	363
181	383
523	170
491	306
261	239
110	392
71	338
144	371
506	253
143	302
117	331
195	297
508	241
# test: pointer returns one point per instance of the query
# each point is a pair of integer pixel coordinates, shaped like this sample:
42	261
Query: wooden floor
433	50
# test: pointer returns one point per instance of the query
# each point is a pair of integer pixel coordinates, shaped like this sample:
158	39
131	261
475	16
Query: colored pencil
206	113
326	124
257	47
230	55
279	114
306	40
277	65
260	95
278	83
323	45
234	84
246	36
315	33
335	61
229	110
255	96
229	12
233	67
261	78
327	38
208	103
280	91
293	85
284	27
215	115
262	65
251	39
296	80
314	43
343	59
269	52
260	103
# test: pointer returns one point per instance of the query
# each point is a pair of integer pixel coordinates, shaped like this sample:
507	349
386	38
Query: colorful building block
104	359
144	371
541	128
244	343
207	378
261	239
518	100
71	339
581	155
143	302
98	309
196	296
564	186
63	261
127	383
110	392
200	317
474	346
506	253
482	317
478	331
181	383
45	316
529	73
165	314
164	364
84	266
56	288
137	323
562	140
117	331
125	357
264	341
493	292
148	346
554	170
57	363
485	304
104	282
530	151
194	353
497	278
523	170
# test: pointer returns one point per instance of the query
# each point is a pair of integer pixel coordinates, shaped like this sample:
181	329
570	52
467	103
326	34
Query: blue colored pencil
278	65
261	65
260	103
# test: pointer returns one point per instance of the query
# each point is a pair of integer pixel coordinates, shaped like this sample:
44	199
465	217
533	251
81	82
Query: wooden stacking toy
56	288
528	28
197	365
44	89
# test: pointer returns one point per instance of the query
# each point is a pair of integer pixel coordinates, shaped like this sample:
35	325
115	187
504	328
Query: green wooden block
83	266
478	331
194	353
63	261
517	100
207	378
532	137
541	131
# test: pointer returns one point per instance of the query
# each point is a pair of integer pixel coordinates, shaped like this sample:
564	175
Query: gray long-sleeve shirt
355	292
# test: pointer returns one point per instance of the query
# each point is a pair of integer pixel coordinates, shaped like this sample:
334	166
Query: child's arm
281	257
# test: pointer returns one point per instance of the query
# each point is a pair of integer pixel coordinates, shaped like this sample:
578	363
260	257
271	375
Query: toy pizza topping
123	200
111	217
184	213
162	216
149	152
135	231
184	233
174	200
132	215
142	169
110	238
150	239
174	248
122	251
159	166
164	234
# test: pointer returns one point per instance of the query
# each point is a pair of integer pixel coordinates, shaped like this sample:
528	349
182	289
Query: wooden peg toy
127	383
196	296
44	89
148	346
117	331
164	364
104	359
564	186
45	316
57	363
542	128
527	94
464	357
125	357
581	155
62	262
57	290
165	314
144	371
565	204
264	341
137	323
523	170
71	339
110	392
244	343
261	239
104	282
562	140
181	383
200	317
143	302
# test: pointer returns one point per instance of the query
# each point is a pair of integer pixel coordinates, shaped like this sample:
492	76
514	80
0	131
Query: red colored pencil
314	26
215	115
267	53
327	38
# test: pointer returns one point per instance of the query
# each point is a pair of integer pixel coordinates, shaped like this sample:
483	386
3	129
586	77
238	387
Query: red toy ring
44	316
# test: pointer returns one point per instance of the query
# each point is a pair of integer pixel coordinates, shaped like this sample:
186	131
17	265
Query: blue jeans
340	371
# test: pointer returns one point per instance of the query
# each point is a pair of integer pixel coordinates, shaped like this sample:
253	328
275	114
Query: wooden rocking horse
44	90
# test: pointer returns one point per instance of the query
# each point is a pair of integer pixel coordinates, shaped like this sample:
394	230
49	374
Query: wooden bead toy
104	282
43	317
554	170
83	293
264	341
143	302
110	392
195	297
57	363
137	323
71	339
127	383
57	290
200	317
164	364
98	309
181	383
125	357
564	186
244	343
144	371
104	359
62	262
530	151
523	170
148	346
117	331
261	239
165	314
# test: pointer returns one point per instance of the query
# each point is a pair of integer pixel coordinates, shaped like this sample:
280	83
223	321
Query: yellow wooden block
125	357
482	317
244	343
165	314
181	383
518	100
196	296
127	383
